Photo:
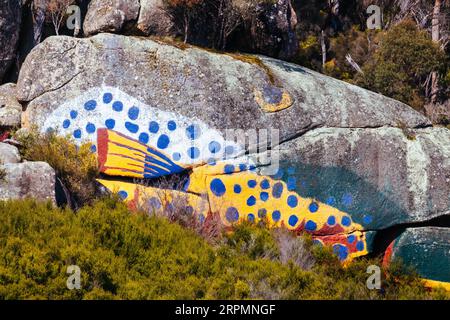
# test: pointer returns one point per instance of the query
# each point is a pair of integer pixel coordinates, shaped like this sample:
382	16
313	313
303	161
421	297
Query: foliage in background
137	256
75	166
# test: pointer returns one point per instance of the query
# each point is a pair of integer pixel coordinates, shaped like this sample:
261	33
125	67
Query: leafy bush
402	64
75	166
138	256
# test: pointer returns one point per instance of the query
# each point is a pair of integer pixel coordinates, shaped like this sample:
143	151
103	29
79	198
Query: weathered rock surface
110	15
382	176
10	108
27	180
426	249
10	19
8	154
351	162
221	90
153	19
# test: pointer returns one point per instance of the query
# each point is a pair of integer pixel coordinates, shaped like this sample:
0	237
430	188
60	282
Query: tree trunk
324	49
186	27
436	36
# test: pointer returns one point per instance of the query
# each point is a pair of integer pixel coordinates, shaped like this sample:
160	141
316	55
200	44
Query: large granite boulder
224	91
10	20
153	20
27	180
427	250
10	108
8	154
348	163
110	15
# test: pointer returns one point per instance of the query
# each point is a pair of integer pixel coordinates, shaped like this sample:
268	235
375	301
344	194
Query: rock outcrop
110	15
27	180
8	154
10	19
348	163
10	108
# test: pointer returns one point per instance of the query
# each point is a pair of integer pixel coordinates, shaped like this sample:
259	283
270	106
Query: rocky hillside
256	138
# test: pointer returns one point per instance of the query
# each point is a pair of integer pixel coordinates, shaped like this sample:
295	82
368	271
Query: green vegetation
125	255
75	166
402	64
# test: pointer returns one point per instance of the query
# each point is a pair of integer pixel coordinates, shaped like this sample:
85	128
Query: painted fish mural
137	141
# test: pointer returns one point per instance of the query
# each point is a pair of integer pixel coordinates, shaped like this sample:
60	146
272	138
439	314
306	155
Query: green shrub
125	255
402	64
75	166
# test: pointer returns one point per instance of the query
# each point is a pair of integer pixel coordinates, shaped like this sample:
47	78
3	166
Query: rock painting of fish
135	140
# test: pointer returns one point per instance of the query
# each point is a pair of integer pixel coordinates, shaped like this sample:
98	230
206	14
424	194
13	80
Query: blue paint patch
251	201
117	106
264	196
229	168
217	187
251	217
110	123
277	190
123	194
279	174
367	219
360	246
242	167
211	161
341	251
291	183
251	183
163	141
313	207
293	220
171	125
133	113
132	127
93	148
347	199
143	137
193	152
237	188
276	215
232	214
153	127
90	105
265	184
66	123
310	225
90	128
214	147
229	150
193	131
351	238
346	221
107	97
292	201
331	221
77	134
176	156
73	114
330	201
291	170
